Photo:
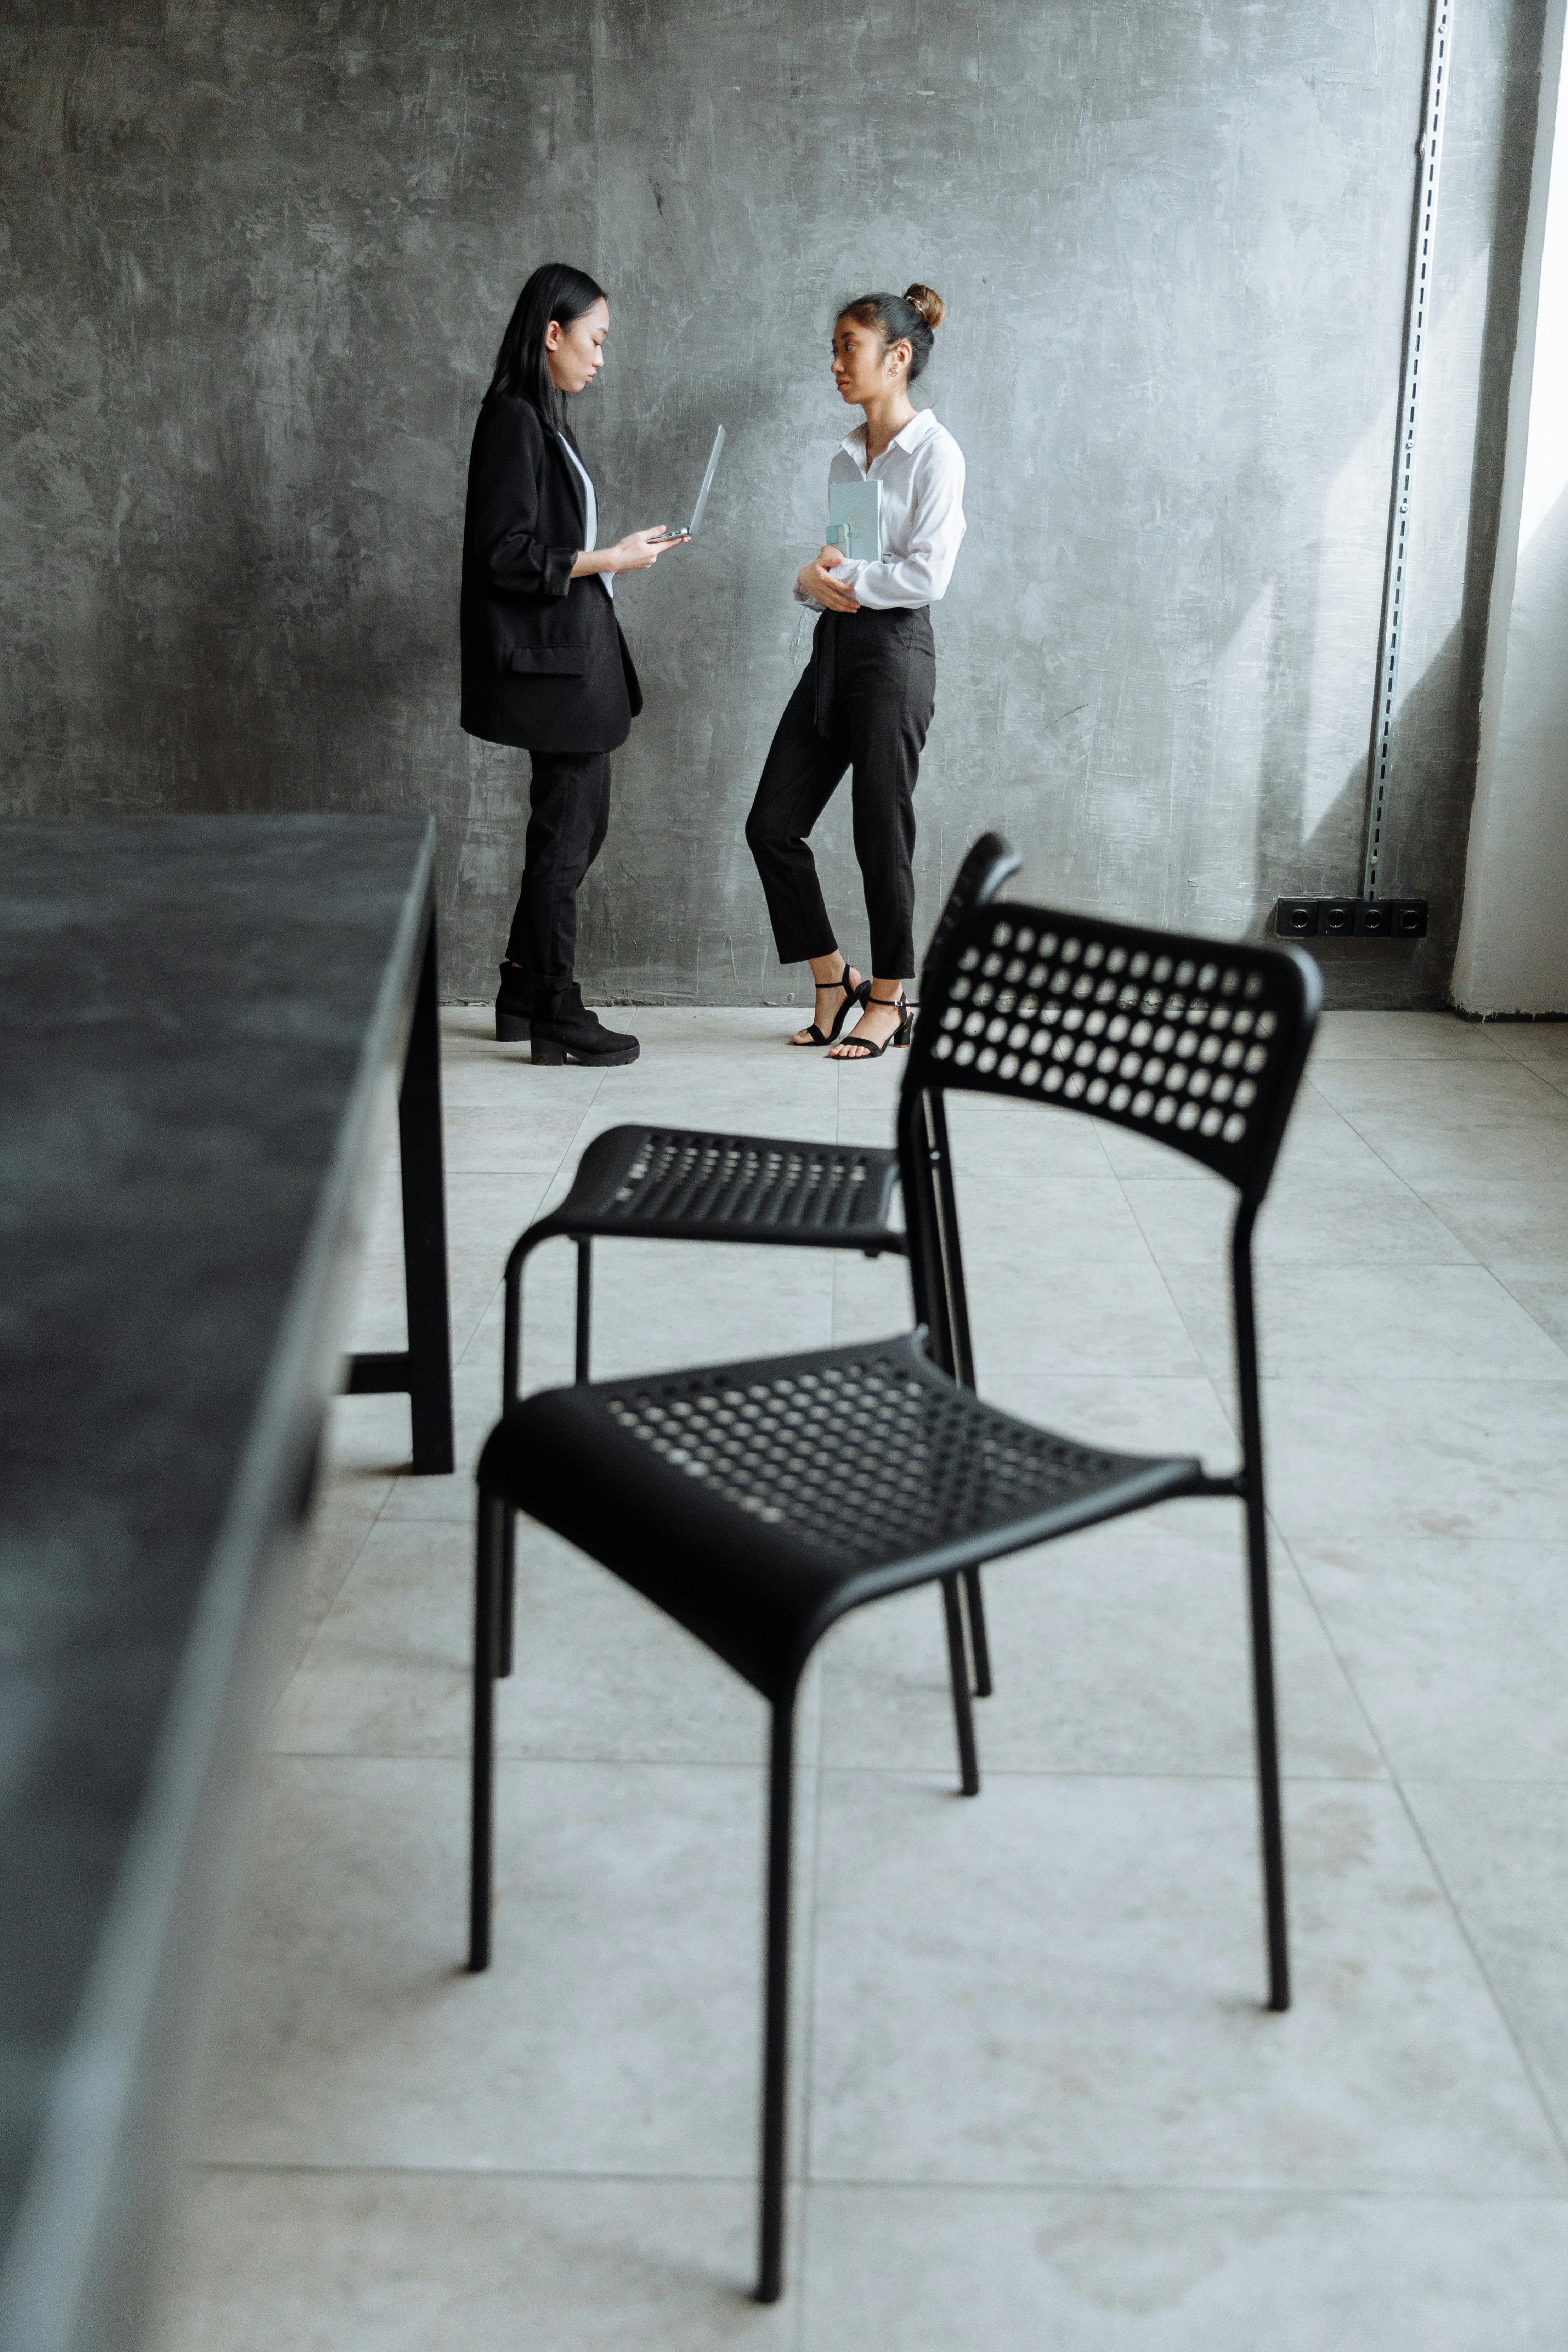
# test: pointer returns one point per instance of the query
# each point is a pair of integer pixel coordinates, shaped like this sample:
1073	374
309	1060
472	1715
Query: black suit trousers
569	811
865	704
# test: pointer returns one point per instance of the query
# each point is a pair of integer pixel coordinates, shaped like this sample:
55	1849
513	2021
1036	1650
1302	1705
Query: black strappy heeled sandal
903	1036
859	994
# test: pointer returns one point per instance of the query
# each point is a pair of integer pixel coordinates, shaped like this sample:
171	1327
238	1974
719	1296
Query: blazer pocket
549	661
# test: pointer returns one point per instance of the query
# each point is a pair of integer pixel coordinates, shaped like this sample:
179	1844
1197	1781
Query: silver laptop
690	530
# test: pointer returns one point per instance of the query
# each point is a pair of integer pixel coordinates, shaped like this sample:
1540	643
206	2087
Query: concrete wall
1513	943
256	258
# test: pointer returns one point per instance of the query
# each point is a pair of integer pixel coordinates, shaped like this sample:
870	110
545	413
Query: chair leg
511	1387
958	1666
775	2026
487	1554
508	1593
585	1304
1273	1834
975	1602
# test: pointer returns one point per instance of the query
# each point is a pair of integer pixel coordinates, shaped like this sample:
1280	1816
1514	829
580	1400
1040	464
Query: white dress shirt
590	506
921	474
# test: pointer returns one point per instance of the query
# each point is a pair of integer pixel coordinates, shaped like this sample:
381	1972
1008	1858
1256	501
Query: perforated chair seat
685	1183
728	1497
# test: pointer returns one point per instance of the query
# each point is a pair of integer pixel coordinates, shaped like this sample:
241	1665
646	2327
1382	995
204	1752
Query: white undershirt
591	525
921	474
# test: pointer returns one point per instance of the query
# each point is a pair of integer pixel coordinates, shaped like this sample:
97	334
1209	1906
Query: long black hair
555	292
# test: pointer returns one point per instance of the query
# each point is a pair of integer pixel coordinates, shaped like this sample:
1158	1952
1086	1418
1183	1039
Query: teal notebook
854	519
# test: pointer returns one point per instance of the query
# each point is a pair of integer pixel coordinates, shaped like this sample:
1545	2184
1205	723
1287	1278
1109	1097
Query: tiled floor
1039	2103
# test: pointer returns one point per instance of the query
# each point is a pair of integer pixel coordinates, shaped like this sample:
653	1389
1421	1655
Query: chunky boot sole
550	1055
511	1028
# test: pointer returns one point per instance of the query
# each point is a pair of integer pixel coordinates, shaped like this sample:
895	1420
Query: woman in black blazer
545	664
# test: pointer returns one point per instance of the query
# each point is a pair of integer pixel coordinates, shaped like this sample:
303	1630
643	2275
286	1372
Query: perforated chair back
987	865
1196	1044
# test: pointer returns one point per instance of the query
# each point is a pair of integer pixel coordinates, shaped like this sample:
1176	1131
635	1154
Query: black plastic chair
759	1502
681	1184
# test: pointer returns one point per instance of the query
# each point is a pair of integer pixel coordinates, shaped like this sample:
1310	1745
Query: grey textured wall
256	259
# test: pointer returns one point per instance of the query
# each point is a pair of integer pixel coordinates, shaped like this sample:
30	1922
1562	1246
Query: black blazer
544	662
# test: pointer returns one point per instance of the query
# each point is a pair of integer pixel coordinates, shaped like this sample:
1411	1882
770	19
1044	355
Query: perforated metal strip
1429	156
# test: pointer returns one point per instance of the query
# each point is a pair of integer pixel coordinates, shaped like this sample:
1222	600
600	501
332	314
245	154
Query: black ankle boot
565	1031
514	1002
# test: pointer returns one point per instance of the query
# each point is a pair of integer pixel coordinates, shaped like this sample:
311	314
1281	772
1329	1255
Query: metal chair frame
1164	1034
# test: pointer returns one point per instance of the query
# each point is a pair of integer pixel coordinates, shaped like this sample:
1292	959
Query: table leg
422	1371
425	1230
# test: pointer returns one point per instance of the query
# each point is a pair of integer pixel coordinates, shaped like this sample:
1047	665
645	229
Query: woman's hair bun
888	314
929	304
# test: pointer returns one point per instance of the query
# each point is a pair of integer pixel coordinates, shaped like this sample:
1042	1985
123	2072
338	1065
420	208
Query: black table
196	1016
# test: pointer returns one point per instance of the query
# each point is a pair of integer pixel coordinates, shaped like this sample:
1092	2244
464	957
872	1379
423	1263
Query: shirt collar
908	437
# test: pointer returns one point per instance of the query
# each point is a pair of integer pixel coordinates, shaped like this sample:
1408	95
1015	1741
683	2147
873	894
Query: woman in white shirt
866	701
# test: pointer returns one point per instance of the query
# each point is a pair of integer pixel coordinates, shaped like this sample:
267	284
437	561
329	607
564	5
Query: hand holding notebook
854	519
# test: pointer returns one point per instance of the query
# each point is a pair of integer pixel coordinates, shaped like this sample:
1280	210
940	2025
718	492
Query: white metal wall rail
1429	160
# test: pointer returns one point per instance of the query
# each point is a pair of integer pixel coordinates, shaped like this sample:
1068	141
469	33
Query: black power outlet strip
1343	918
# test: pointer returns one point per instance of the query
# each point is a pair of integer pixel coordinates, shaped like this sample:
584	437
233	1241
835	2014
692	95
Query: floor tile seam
1187	2192
1240	1779
1120	1377
1419	1379
1423	1120
1551	1385
1425	1780
1165	1285
366	1532
1401	1780
467	1350
460	1756
1396	1053
426	1518
1406	1183
878	2184
1440	1536
551	1178
303	2168
1526	1308
1435	1072
1390	1777
1531	2073
1434	1210
1552	1085
1520	1063
921	1772
1017	2186
1267	1264
1296	1778
1366	1260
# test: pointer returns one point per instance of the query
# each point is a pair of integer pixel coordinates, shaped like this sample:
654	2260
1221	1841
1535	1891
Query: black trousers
865	704
569	811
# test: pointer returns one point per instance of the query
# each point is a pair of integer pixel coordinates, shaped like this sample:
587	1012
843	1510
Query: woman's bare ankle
832	986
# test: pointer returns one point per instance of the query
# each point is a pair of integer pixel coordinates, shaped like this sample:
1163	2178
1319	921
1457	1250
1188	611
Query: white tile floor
1039	2103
